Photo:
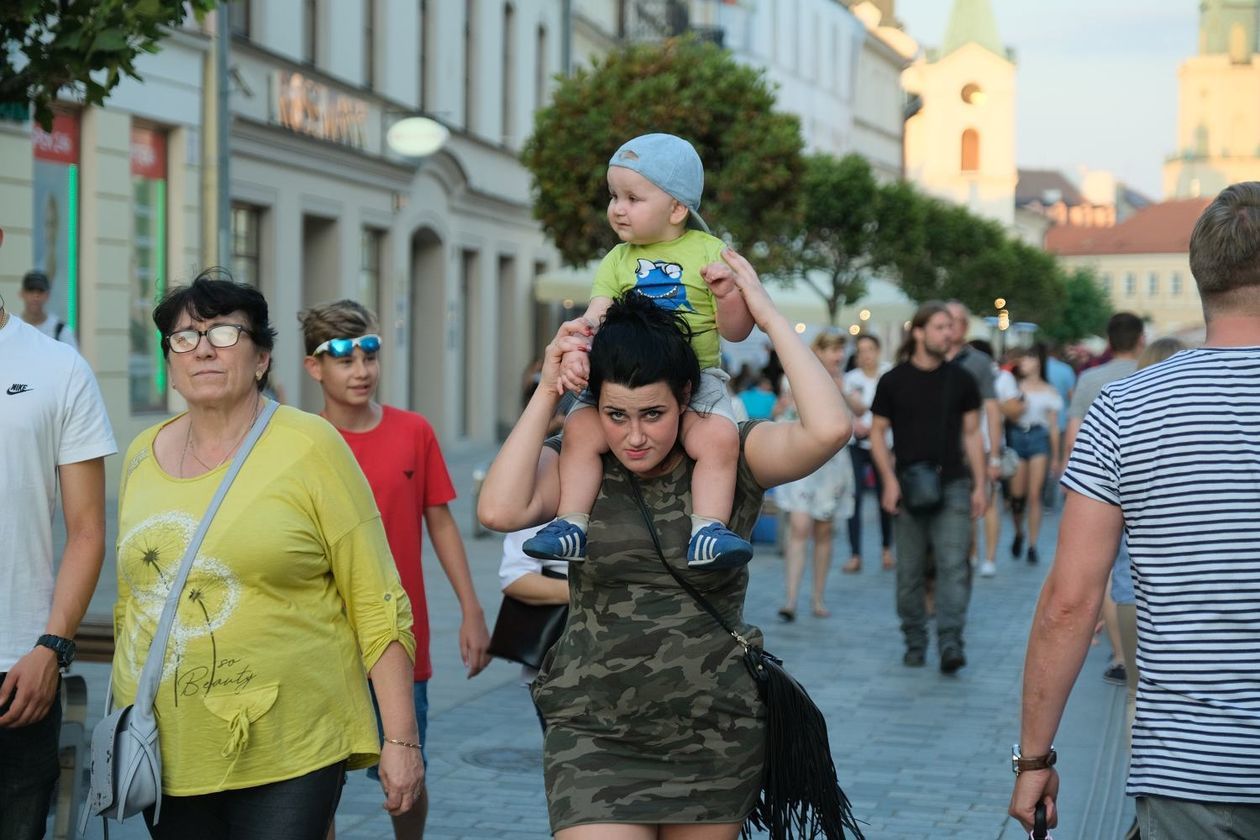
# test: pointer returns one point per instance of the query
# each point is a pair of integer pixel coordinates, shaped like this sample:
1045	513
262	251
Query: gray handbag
126	774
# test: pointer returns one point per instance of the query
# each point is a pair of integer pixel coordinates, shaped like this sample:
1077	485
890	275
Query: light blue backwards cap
670	163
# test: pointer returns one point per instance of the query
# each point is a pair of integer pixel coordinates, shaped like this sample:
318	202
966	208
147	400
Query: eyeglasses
339	348
220	335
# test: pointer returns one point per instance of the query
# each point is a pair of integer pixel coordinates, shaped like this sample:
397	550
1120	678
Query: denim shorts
419	696
1029	443
1122	576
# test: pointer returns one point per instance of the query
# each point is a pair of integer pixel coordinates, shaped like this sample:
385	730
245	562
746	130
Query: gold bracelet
404	743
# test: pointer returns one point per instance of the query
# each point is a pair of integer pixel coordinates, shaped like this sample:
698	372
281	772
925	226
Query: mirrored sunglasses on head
339	348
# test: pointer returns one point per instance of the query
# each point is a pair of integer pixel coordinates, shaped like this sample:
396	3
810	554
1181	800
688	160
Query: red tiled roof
1162	228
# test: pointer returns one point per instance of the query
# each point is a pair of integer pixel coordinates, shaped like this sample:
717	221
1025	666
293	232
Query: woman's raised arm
781	452
519	490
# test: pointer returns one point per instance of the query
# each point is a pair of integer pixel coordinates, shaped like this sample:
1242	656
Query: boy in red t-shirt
398	452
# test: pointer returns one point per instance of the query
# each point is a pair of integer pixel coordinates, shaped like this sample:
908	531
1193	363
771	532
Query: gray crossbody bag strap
126	759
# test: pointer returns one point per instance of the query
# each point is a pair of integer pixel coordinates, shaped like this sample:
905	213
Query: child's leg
712	442
581	468
581	472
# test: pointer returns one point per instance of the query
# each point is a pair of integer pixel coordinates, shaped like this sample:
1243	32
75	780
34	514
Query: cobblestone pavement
920	754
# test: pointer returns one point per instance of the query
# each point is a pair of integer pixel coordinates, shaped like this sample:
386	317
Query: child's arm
574	367
734	321
473	636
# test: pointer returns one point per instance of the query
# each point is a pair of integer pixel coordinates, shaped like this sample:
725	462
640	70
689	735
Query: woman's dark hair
211	294
983	346
642	344
867	337
1038	351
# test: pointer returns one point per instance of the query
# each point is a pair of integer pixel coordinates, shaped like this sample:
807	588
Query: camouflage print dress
651	714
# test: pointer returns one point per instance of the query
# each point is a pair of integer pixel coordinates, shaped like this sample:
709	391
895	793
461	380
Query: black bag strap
660	553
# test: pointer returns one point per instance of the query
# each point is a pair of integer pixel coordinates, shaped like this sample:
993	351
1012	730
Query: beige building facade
960	143
1142	263
1218	123
108	204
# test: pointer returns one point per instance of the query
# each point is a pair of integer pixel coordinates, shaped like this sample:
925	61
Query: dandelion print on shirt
148	558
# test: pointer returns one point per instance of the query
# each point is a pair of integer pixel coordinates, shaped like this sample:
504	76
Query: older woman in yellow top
292	602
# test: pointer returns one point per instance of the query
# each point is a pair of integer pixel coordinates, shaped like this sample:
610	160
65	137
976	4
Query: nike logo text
18	389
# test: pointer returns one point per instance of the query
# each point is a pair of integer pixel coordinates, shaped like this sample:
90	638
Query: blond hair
339	319
826	340
1158	351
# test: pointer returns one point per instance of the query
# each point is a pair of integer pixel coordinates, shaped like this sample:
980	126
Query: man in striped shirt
1171	455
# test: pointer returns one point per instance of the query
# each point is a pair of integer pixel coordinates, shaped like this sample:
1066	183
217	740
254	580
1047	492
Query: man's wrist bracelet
404	743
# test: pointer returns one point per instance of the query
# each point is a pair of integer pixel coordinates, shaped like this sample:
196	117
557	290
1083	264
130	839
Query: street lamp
1003	324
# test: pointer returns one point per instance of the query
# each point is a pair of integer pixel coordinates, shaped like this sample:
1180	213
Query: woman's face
867	354
216	376
1028	365
640	425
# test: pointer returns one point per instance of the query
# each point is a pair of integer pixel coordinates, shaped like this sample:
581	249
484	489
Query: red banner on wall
61	145
148	153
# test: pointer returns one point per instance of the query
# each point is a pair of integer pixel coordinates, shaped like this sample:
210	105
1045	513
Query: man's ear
311	363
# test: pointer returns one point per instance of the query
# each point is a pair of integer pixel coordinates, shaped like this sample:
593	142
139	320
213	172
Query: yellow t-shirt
669	273
292	598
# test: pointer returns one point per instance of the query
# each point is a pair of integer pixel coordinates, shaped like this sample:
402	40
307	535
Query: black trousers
861	458
295	809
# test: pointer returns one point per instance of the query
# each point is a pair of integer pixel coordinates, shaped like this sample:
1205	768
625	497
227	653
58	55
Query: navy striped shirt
1177	447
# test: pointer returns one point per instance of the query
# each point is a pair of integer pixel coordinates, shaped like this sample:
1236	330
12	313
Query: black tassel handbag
800	797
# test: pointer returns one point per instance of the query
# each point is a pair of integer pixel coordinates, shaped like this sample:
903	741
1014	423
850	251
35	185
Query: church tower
960	145
1218	123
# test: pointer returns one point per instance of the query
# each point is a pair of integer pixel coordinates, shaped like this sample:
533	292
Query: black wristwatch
64	648
1020	764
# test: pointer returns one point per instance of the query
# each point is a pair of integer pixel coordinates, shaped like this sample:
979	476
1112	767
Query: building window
1130	284
238	18
1152	284
1106	283
470	66
370	268
146	365
369	43
540	68
1176	283
310	30
509	68
245	248
970	150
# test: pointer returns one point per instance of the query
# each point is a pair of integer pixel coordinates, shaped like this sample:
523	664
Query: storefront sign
148	153
308	107
61	145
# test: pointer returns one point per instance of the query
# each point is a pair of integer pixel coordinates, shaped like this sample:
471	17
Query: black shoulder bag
525	632
800	797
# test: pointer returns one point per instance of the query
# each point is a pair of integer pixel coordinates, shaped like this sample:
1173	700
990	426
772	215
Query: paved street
920	754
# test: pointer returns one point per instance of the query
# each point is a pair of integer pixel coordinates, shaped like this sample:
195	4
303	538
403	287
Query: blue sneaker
717	547
560	540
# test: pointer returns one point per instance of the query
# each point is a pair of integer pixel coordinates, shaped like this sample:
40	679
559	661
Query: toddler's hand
720	279
575	367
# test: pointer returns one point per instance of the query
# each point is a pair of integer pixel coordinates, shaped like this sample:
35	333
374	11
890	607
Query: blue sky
1097	79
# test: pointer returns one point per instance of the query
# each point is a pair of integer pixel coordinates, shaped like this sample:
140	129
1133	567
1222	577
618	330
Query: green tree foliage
752	155
1084	312
837	247
81	45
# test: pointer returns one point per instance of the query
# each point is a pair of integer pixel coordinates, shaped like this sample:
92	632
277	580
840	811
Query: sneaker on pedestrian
1033	557
914	658
1115	674
952	659
988	568
717	547
560	540
1017	546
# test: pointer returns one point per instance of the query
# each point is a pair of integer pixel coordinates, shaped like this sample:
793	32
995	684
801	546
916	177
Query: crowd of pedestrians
652	489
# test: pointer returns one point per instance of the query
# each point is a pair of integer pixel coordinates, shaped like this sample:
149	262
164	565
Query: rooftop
1162	228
